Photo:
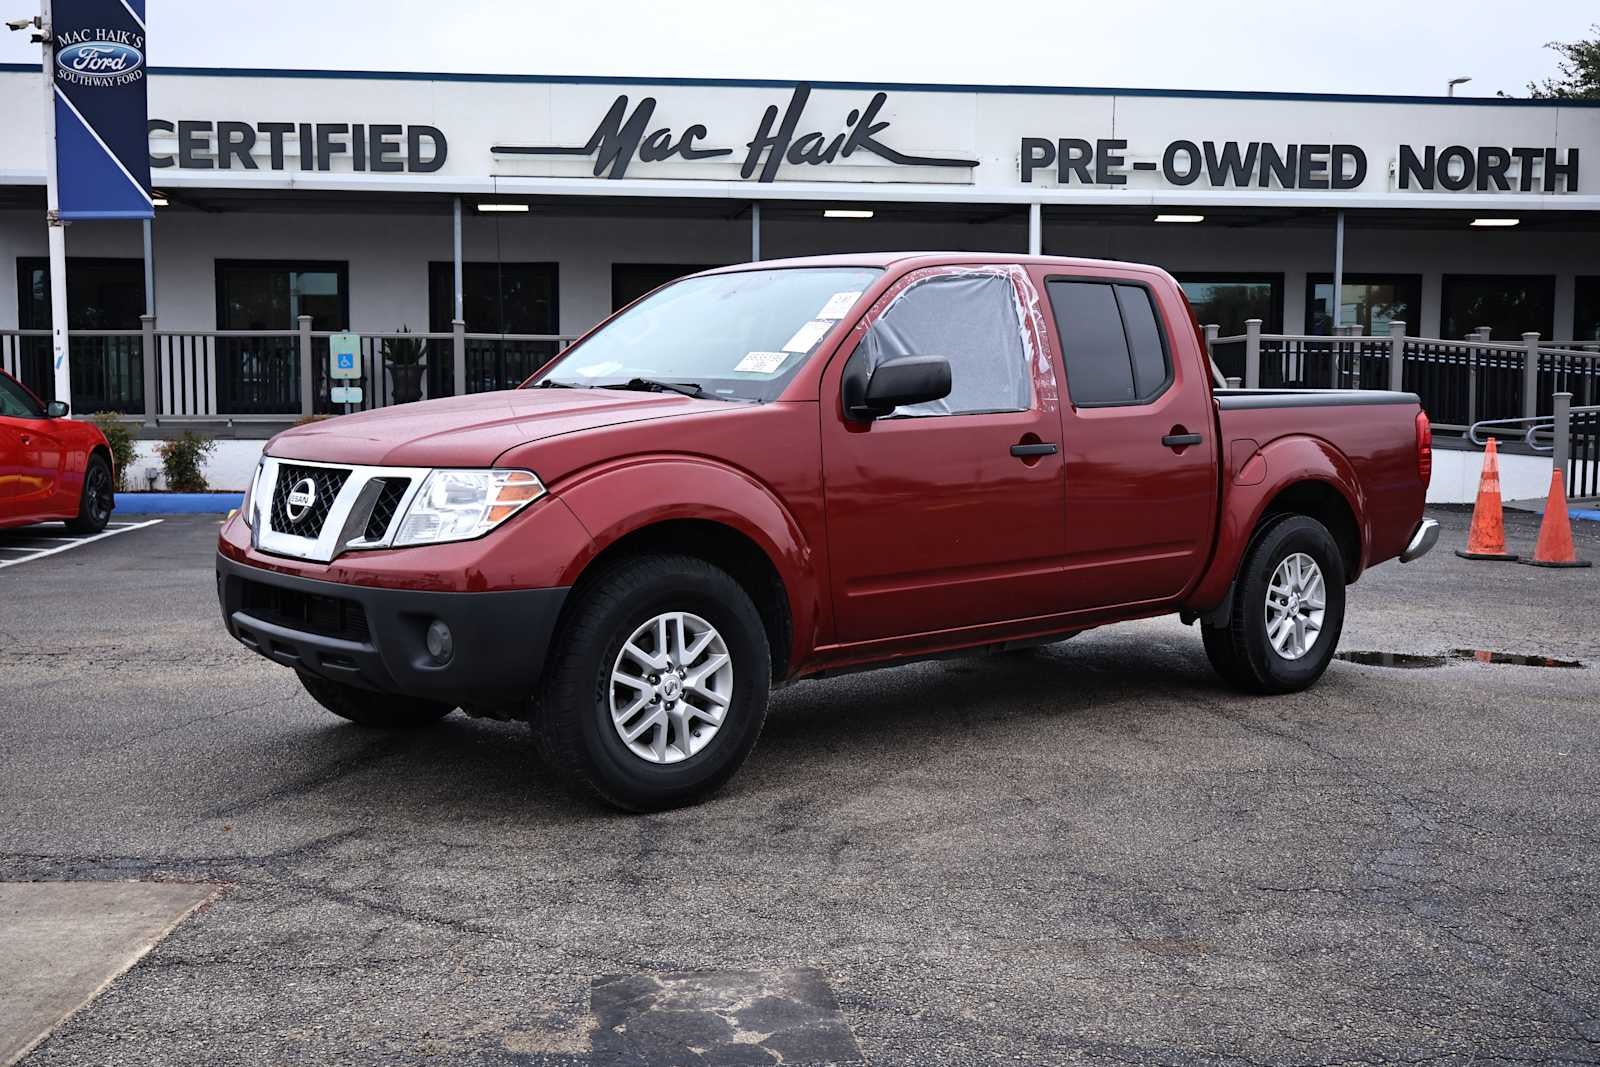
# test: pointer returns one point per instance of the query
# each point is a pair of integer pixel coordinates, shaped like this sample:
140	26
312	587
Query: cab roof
917	260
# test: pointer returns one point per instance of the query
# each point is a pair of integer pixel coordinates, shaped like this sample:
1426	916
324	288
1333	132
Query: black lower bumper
376	638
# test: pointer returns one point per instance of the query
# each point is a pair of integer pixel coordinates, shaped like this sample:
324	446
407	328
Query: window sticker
807	336
839	305
761	362
600	370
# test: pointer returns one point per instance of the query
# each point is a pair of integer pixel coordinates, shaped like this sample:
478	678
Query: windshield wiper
551	383
650	385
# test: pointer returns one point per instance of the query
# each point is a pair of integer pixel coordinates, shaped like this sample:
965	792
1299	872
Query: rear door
1137	440
947	515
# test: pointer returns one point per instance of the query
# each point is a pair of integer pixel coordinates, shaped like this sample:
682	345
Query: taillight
1424	448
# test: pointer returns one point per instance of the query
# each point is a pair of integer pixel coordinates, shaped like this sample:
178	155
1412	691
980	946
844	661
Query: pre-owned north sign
1263	164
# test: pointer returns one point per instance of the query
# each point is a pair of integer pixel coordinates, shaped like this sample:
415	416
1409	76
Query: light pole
1450	87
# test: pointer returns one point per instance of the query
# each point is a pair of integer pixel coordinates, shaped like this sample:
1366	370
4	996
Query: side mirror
895	383
56	409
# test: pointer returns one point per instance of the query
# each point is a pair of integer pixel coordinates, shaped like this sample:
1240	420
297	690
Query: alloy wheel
1297	600
670	687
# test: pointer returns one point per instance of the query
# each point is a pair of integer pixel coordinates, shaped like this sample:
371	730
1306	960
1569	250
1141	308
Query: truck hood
471	431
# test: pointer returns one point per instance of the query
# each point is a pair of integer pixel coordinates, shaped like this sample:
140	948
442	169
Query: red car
782	469
51	467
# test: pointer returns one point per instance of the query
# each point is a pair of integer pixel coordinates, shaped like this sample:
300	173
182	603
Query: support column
456	258
1338	270
1397	354
1561	410
1252	353
1530	375
60	358
308	373
1035	229
458	323
755	231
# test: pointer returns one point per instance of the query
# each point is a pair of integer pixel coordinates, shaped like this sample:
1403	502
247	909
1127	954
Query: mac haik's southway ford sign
471	133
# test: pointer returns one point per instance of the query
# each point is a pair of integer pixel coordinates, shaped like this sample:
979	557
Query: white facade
989	136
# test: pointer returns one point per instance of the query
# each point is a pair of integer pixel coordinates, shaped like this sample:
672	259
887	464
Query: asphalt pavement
1089	853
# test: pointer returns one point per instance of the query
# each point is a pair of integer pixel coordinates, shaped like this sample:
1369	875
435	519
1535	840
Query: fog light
440	644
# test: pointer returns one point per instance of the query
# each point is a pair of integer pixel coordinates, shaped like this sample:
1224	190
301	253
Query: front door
948	514
31	456
1137	429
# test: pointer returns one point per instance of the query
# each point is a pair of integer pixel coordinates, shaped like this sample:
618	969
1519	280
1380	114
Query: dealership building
536	205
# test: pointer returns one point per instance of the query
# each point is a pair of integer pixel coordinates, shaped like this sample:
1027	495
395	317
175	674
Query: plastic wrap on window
974	316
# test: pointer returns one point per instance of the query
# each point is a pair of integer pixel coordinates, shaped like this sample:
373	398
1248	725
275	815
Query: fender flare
1291	460
613	500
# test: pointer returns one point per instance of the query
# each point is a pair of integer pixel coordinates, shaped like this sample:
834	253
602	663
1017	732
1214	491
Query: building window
1229	299
1509	304
102	294
630	281
1586	312
1371	301
261	375
496	298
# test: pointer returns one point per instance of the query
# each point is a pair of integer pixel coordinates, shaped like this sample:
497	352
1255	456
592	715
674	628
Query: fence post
1530	375
1211	332
458	385
152	381
308	381
1252	353
1397	355
1561	407
1234	383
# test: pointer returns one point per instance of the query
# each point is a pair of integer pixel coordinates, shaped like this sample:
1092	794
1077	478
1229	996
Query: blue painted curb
1584	513
177	503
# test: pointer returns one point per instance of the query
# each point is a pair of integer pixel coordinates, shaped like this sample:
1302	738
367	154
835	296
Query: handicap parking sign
344	351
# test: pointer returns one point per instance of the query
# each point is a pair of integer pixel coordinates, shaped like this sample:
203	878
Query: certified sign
344	355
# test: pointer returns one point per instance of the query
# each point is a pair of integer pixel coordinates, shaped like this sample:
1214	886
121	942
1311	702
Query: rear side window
1111	341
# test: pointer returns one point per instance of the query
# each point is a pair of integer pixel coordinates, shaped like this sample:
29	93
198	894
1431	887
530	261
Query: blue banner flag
101	101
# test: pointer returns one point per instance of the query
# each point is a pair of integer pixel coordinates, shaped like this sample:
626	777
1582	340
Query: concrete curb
177	503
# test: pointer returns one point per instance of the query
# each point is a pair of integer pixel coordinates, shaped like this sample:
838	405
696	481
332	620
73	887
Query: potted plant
404	357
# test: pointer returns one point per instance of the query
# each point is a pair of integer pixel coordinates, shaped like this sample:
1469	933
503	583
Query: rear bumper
1423	538
376	638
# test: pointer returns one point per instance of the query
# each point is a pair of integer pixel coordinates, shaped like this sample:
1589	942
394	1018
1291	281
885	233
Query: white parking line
110	531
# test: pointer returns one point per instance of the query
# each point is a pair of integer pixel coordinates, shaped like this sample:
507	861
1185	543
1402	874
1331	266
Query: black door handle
1033	450
1179	440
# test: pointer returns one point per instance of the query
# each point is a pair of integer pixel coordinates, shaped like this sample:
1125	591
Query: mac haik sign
102	149
628	132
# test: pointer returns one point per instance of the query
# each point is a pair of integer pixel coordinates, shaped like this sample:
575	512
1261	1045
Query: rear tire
364	707
1283	647
693	694
99	497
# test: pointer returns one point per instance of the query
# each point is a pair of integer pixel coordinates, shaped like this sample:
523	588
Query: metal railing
1458	381
211	376
1570	434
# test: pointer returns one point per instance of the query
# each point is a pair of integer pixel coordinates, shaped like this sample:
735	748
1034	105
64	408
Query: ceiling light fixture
1495	222
846	213
1180	218
502	207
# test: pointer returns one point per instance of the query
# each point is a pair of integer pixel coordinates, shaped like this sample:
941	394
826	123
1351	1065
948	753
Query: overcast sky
1350	46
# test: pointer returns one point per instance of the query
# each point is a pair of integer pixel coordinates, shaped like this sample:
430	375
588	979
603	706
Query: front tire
99	497
384	711
657	690
1287	612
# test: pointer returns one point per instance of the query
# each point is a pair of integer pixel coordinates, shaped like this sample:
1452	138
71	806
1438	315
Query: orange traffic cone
1487	540
1555	532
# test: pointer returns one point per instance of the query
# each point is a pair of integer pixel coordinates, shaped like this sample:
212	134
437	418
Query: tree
1580	72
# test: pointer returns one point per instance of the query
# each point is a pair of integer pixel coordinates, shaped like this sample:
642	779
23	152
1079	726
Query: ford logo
101	59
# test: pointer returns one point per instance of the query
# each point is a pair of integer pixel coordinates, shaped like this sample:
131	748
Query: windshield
737	336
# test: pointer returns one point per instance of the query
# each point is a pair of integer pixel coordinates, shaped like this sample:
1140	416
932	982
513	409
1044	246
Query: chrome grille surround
344	528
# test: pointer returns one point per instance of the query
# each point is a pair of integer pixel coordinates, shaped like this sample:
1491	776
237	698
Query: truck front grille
383	509
324	484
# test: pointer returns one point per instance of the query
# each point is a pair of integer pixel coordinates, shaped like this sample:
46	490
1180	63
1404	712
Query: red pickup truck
775	470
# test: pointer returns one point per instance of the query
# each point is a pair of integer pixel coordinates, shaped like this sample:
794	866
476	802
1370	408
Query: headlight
458	505
248	505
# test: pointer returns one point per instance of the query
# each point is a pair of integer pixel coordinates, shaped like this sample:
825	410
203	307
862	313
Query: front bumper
1423	538
375	638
